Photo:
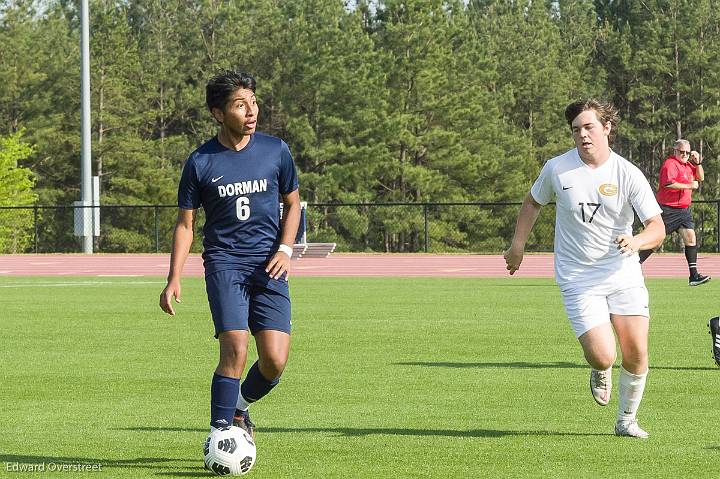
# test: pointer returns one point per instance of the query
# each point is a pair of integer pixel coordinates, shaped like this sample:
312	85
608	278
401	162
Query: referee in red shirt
679	175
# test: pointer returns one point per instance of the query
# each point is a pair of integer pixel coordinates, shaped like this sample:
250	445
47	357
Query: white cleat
601	385
630	429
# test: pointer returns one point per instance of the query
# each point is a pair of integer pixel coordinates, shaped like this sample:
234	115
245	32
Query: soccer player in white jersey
596	260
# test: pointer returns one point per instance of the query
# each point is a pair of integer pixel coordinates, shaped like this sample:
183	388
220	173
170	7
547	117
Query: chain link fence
355	227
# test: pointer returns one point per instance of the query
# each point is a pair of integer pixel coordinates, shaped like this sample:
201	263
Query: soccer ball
229	451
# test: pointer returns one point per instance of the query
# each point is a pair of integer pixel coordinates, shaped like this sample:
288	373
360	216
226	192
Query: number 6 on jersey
242	208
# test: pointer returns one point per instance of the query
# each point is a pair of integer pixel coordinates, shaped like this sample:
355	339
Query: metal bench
303	249
312	250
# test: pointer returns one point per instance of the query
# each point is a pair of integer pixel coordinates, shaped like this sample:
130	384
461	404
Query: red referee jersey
675	171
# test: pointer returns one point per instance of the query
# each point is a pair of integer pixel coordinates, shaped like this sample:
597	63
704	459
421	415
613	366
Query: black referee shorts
676	218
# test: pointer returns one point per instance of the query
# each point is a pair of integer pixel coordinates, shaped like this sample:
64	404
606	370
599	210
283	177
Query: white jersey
593	207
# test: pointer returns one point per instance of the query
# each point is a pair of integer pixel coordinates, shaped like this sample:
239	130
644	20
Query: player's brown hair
604	110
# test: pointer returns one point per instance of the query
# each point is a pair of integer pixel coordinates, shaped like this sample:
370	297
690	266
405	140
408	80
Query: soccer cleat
242	420
698	280
714	326
601	385
630	429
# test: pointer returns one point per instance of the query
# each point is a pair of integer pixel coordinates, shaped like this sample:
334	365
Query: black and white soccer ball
229	451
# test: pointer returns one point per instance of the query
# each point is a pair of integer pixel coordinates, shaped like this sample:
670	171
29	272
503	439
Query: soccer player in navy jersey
239	178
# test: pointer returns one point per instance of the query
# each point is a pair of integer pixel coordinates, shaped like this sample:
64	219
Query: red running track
413	265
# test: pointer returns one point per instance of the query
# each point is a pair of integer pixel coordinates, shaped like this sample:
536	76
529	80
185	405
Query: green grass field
388	378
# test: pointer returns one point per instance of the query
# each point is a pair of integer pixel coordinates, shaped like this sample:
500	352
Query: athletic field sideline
388	378
354	265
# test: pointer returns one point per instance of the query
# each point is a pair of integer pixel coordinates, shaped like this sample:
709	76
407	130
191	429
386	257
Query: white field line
78	283
120	275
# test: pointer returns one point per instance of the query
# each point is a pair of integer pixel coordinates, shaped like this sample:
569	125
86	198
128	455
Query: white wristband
286	249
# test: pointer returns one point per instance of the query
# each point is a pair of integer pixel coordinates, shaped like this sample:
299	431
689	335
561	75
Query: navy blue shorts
248	299
675	218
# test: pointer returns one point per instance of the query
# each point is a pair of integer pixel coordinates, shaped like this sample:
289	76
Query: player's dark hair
604	110
225	83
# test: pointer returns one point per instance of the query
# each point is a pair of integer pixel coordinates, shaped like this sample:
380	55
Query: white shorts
590	308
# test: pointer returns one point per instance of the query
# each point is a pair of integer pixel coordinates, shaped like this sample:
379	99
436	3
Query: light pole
85	160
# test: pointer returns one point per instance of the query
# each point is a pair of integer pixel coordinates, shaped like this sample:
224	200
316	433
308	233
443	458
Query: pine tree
52	123
20	73
328	85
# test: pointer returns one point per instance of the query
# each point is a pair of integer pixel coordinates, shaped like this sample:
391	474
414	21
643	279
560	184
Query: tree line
380	101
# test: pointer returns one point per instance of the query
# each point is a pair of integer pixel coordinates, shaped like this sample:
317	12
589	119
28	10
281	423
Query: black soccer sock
691	257
644	254
256	385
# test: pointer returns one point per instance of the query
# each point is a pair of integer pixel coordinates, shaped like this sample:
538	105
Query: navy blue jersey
240	192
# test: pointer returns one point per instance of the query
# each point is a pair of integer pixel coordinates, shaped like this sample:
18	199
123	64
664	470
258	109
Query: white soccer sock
242	404
631	389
